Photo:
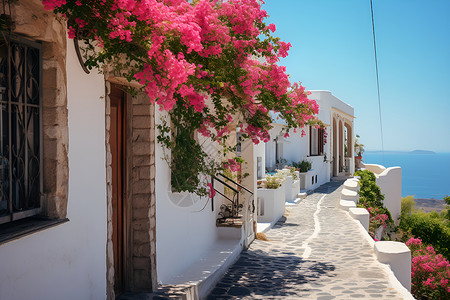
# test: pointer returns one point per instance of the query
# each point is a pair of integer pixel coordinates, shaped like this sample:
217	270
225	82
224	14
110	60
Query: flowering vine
430	272
212	65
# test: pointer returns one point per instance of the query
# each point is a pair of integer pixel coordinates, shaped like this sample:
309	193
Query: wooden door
117	144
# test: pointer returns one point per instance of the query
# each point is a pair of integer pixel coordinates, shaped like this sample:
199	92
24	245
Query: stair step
346	204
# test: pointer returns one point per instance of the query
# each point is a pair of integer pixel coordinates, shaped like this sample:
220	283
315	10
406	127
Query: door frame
125	257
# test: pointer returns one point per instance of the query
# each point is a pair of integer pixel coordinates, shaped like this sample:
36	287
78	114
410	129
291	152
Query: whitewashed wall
329	105
260	152
69	261
390	182
183	234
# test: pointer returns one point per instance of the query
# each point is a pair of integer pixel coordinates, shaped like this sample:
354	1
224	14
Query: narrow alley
315	252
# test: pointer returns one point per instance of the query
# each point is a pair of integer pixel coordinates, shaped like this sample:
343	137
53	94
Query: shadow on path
257	274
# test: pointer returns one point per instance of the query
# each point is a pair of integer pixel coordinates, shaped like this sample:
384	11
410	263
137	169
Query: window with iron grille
21	179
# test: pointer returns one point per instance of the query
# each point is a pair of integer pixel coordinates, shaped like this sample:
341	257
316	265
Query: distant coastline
428	205
401	152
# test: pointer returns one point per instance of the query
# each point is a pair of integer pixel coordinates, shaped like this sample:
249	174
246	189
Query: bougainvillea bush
212	65
430	272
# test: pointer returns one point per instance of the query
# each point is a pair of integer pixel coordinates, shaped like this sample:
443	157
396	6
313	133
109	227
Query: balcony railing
231	210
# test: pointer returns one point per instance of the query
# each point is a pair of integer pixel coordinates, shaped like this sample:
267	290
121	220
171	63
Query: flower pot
271	204
358	162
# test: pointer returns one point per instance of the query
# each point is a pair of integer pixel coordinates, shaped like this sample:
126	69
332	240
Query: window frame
316	143
10	40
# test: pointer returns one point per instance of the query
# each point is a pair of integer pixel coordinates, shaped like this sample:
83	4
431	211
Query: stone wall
142	191
109	244
32	21
140	200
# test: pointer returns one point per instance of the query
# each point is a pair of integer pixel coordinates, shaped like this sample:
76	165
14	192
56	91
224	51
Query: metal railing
232	209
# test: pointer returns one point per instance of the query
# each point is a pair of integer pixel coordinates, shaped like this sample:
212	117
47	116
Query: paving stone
341	264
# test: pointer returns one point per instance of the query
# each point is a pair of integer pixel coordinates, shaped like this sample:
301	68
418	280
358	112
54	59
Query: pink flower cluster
187	53
376	218
232	165
212	191
430	272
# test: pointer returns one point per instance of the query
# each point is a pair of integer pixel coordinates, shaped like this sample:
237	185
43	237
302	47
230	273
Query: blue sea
424	175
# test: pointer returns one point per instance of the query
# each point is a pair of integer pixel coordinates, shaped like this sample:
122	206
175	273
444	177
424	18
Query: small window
316	141
21	130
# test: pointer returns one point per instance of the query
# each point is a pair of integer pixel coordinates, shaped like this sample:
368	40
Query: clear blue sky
332	49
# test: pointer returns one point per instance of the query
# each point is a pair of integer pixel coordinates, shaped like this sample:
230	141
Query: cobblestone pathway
314	252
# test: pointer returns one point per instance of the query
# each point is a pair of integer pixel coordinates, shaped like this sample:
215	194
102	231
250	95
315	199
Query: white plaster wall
270	151
271	204
69	261
183	234
390	183
374	168
329	104
326	101
297	147
260	151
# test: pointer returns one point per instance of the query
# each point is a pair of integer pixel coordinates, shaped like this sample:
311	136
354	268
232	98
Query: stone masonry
142	192
140	199
32	21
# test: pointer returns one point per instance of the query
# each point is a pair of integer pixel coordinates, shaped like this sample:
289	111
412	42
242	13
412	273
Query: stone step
346	204
351	184
347	194
360	214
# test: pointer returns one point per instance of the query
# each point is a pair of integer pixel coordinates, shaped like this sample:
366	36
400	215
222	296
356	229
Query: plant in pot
272	182
293	174
303	166
359	150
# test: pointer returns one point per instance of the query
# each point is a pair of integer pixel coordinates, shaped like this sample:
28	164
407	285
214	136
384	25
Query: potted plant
303	166
271	199
359	150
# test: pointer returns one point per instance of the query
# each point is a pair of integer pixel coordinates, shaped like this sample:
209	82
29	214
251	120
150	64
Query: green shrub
370	198
430	229
365	175
303	166
369	192
408	205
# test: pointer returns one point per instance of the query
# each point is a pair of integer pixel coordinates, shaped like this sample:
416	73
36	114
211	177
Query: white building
86	206
330	151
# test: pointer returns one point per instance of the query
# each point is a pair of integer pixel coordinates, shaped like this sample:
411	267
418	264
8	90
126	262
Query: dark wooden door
117	144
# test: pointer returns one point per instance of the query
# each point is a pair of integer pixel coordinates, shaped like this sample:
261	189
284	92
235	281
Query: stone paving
314	252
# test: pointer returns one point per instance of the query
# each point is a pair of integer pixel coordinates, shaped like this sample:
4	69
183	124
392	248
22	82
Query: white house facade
330	151
86	206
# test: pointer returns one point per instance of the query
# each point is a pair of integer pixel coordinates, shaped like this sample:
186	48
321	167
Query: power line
378	80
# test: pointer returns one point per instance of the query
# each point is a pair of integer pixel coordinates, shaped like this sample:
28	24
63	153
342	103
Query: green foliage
431	229
370	198
369	192
408	205
293	174
304	165
447	211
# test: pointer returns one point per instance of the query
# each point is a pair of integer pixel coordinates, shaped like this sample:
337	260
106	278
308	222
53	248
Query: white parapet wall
376	169
390	182
271	204
398	256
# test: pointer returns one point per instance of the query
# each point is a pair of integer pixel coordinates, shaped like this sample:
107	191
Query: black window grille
21	181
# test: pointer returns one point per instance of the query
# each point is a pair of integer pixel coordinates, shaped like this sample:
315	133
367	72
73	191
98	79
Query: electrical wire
378	80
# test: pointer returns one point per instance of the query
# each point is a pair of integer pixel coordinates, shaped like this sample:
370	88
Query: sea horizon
425	174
